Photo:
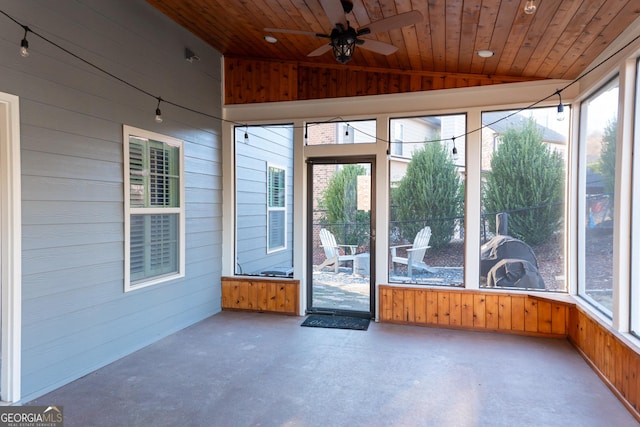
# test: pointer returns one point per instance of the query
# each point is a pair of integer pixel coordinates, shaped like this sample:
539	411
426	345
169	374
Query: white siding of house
76	316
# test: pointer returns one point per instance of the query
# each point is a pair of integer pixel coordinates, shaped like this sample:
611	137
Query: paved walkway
342	291
346	291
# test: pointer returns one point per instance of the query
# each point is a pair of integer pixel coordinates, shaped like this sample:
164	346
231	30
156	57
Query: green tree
339	202
430	194
607	163
526	179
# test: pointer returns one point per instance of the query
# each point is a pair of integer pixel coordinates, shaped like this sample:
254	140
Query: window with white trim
597	193
154	208
276	208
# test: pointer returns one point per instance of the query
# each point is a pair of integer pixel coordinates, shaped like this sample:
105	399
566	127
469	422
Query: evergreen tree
430	194
339	202
607	164
526	180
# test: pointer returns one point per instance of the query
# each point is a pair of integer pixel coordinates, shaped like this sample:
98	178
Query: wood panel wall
476	310
261	294
610	355
253	81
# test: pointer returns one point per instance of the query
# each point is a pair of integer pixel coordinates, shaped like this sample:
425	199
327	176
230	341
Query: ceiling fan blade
287	31
397	21
335	12
321	50
378	47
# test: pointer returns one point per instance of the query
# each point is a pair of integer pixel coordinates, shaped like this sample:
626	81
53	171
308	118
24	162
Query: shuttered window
276	208
154	209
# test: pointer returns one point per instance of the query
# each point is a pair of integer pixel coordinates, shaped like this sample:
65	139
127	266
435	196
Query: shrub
526	180
430	194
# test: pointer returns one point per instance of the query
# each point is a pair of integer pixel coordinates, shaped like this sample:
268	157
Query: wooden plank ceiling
558	41
436	50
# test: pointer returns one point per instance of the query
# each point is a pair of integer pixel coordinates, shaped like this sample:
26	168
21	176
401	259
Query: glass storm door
340	264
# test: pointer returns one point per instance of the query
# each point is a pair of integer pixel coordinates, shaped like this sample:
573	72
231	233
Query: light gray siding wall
76	316
266	145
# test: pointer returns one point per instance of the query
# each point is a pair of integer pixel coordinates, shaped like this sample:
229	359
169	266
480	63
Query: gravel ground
449	261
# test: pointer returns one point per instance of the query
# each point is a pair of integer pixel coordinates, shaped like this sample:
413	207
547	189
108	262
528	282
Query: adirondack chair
332	251
415	253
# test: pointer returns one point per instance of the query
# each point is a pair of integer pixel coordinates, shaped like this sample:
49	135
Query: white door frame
11	248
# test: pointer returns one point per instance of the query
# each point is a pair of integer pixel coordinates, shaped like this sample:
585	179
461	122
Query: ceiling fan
343	37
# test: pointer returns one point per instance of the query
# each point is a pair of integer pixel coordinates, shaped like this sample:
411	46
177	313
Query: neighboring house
410	134
407	136
496	125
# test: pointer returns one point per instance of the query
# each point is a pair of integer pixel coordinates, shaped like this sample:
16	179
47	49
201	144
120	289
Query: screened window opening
598	134
523	192
333	132
427	175
264	200
155	211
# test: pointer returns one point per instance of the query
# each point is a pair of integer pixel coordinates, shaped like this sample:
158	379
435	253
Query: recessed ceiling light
485	53
271	39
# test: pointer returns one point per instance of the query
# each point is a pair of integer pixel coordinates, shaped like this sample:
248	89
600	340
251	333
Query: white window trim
277	209
128	286
634	292
582	290
11	247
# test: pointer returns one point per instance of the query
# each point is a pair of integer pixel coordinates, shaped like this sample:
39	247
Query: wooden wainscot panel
475	310
504	312
612	356
420	304
455	309
492	315
443	308
479	307
386	304
432	307
467	309
261	294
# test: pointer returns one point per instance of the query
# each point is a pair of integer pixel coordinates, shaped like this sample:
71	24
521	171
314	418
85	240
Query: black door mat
336	322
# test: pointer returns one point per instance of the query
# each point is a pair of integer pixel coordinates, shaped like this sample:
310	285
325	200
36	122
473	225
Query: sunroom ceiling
558	41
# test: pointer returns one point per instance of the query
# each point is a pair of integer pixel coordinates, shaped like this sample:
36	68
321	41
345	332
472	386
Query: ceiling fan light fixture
270	39
343	44
485	53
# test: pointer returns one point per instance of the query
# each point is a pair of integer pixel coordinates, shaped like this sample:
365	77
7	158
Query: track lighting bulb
530	7
158	112
346	133
246	135
24	44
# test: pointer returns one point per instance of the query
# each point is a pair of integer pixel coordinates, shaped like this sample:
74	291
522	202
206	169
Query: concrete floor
250	369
